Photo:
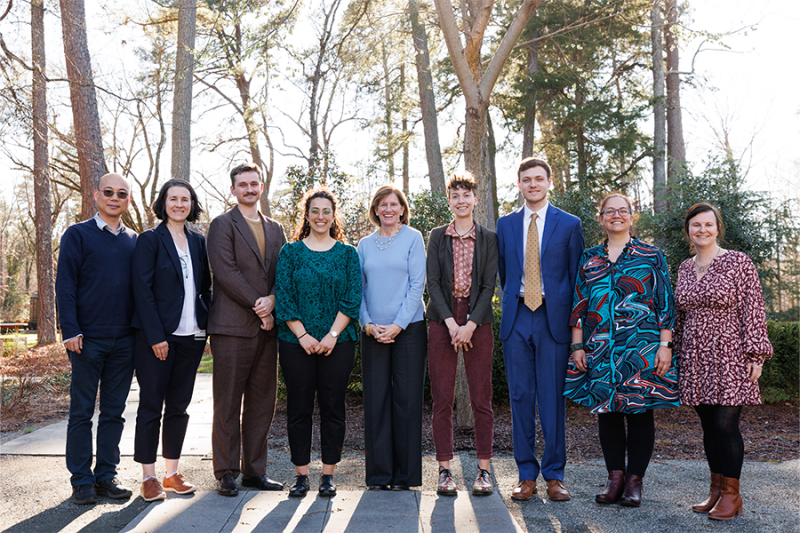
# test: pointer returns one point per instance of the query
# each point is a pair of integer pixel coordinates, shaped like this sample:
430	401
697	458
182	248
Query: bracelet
303	335
575	346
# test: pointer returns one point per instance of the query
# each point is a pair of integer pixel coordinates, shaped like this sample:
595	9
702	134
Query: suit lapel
194	254
244	229
550	223
517	222
169	244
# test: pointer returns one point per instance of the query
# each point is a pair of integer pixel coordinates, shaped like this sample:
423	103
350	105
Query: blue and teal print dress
621	308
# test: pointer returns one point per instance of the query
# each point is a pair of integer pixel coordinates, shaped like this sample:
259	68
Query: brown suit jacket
240	274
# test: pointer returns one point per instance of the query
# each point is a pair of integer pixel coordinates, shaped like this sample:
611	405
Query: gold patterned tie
533	274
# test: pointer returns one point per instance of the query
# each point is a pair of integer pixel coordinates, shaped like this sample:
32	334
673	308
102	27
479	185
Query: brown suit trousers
245	356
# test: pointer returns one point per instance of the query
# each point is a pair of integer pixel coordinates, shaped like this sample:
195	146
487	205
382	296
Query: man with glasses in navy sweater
95	302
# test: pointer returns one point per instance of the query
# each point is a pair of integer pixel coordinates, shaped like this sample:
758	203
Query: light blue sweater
392	279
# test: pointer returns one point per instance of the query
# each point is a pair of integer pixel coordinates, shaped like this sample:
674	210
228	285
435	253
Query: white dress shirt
526	222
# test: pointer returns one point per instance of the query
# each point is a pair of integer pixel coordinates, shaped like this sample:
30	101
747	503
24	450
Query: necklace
702	268
460	236
382	246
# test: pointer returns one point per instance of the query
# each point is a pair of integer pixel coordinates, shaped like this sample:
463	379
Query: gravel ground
35	495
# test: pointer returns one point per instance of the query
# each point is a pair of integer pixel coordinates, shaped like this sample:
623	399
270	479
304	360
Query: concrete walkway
34	495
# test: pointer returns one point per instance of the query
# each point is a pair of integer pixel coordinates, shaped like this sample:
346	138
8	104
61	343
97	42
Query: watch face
334	334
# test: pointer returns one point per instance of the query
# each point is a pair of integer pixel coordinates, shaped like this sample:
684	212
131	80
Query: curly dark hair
160	205
303	230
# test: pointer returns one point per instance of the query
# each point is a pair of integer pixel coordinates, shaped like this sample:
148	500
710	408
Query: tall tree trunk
85	117
404	125
182	103
676	149
492	167
529	127
387	111
41	182
427	100
659	111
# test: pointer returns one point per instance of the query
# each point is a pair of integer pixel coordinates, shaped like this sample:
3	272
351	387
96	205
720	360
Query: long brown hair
303	228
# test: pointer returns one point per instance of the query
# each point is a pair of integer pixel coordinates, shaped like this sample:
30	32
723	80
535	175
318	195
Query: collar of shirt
105	227
541	212
451	230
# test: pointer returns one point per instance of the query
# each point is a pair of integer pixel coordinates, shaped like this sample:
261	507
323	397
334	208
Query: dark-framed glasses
609	211
108	193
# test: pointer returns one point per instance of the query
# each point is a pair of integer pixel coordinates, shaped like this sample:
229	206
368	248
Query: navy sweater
93	282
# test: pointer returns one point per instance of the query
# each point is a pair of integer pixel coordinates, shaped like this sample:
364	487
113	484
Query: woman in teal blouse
318	296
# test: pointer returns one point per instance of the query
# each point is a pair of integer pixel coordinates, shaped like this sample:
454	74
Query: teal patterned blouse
313	287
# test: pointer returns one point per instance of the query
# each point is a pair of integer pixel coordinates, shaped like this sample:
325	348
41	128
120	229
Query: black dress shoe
300	487
112	488
84	495
226	486
261	483
380	487
326	487
399	487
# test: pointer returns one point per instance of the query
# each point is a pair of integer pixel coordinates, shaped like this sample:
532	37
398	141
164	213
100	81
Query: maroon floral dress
720	326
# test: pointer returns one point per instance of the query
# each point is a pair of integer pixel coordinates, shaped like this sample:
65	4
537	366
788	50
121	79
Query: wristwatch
666	344
333	334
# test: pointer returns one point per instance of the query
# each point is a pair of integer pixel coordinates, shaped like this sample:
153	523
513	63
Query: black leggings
639	441
722	439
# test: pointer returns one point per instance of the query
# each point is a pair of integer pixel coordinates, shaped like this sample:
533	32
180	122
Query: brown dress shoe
730	501
632	495
556	491
713	495
613	490
524	490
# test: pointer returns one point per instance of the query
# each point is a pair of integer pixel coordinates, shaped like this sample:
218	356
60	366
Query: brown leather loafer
556	491
524	490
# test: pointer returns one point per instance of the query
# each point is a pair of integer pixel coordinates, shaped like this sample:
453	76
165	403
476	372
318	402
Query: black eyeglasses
108	193
609	211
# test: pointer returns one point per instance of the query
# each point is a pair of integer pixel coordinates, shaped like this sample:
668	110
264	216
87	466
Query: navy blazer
562	245
158	282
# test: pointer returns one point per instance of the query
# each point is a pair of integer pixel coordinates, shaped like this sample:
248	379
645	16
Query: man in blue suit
540	246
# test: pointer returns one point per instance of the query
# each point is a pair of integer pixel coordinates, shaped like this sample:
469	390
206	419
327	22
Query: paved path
34	495
351	511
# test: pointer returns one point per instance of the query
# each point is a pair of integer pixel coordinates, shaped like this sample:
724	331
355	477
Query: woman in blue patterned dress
621	363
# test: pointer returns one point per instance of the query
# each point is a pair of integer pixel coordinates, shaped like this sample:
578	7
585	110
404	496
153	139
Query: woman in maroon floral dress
721	343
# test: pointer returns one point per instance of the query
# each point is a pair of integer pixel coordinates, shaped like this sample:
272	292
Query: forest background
672	102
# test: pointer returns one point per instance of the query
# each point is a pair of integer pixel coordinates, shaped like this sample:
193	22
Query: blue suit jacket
562	245
158	283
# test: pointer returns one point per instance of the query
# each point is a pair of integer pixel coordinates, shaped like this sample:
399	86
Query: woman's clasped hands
384	334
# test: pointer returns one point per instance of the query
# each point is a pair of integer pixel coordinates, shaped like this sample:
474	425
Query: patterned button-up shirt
463	252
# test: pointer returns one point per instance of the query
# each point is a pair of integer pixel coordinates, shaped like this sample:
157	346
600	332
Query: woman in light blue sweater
393	344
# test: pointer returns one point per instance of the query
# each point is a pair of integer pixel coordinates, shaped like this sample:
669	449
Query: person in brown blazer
243	247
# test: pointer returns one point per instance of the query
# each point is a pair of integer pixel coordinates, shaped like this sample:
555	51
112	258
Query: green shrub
779	380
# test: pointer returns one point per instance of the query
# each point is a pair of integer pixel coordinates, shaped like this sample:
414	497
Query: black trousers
164	385
639	440
394	381
323	377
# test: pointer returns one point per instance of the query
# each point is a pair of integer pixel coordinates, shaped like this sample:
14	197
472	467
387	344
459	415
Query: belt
522	299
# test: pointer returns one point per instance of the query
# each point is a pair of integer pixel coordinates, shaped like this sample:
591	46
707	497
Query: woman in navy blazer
172	292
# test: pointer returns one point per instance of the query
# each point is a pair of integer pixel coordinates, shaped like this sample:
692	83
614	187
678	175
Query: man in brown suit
243	247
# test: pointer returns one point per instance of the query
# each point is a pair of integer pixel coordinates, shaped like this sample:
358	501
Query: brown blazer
240	274
440	275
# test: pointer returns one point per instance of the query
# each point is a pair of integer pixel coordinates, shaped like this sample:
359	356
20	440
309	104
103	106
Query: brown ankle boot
713	495
632	495
613	489
730	501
